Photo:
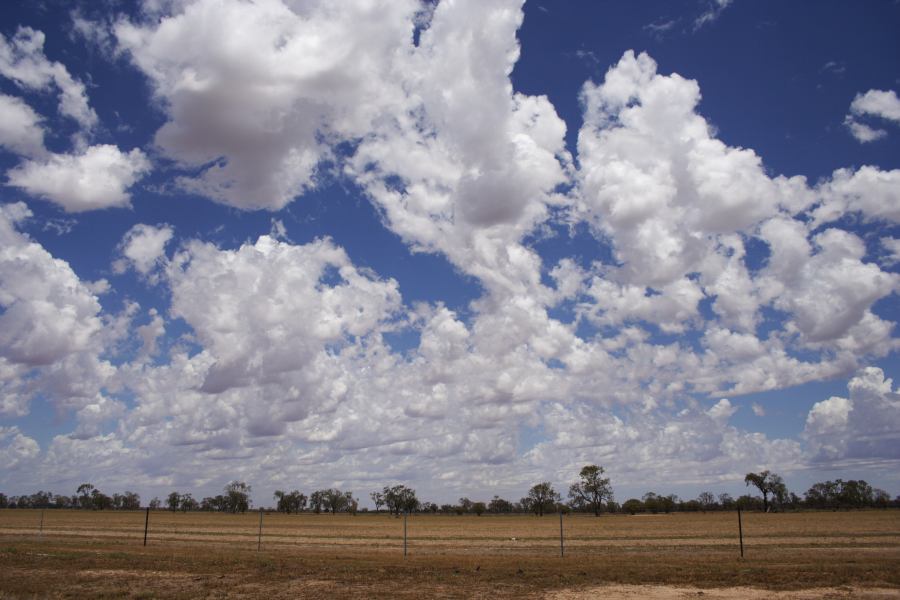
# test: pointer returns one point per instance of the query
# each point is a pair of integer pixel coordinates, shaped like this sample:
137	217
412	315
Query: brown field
190	555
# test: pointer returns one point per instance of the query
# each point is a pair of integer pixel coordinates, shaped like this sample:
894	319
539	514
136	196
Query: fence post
41	528
562	551
146	524
404	533
741	533
259	541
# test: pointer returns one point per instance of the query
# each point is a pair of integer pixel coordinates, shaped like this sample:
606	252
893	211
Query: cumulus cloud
258	111
654	179
442	173
143	248
97	178
869	191
48	312
16	449
52	330
280	358
862	427
271	308
88	178
892	247
20	127
23	61
874	103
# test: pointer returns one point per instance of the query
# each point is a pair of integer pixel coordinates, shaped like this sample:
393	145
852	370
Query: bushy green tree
543	498
591	490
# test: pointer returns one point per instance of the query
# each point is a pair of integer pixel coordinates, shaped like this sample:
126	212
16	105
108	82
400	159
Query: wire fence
421	534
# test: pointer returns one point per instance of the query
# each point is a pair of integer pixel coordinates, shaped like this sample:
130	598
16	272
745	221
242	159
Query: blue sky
463	246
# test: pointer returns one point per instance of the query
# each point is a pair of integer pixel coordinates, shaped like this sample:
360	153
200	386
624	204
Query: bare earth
84	554
667	592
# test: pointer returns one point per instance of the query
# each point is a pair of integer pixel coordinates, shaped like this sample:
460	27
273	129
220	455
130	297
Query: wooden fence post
259	541
562	551
146	524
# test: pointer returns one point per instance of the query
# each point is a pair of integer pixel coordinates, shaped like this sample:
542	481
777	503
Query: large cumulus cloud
277	356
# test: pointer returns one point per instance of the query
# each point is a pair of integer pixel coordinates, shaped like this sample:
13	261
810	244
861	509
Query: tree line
591	493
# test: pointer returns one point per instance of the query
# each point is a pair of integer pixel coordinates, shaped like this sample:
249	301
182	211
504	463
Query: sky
466	246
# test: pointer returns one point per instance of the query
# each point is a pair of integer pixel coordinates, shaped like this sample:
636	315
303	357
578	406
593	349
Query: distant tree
237	495
525	505
378	498
748	502
543	498
726	501
632	506
40	499
289	502
707	500
651	502
668	503
400	498
447	508
690	506
478	508
856	494
173	501
592	490
880	498
317	500
336	500
4	501
499	505
84	495
100	501
126	501
768	483
155	504
430	507
465	504
188	503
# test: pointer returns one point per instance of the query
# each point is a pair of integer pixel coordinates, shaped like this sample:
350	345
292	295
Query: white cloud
875	103
862	132
654	180
879	103
52	330
833	289
143	248
98	177
266	102
712	13
23	61
17	451
270	308
285	366
864	426
868	190
469	183
48	313
892	246
20	127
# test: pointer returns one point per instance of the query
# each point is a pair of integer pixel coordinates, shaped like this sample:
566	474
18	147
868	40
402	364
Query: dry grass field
191	555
